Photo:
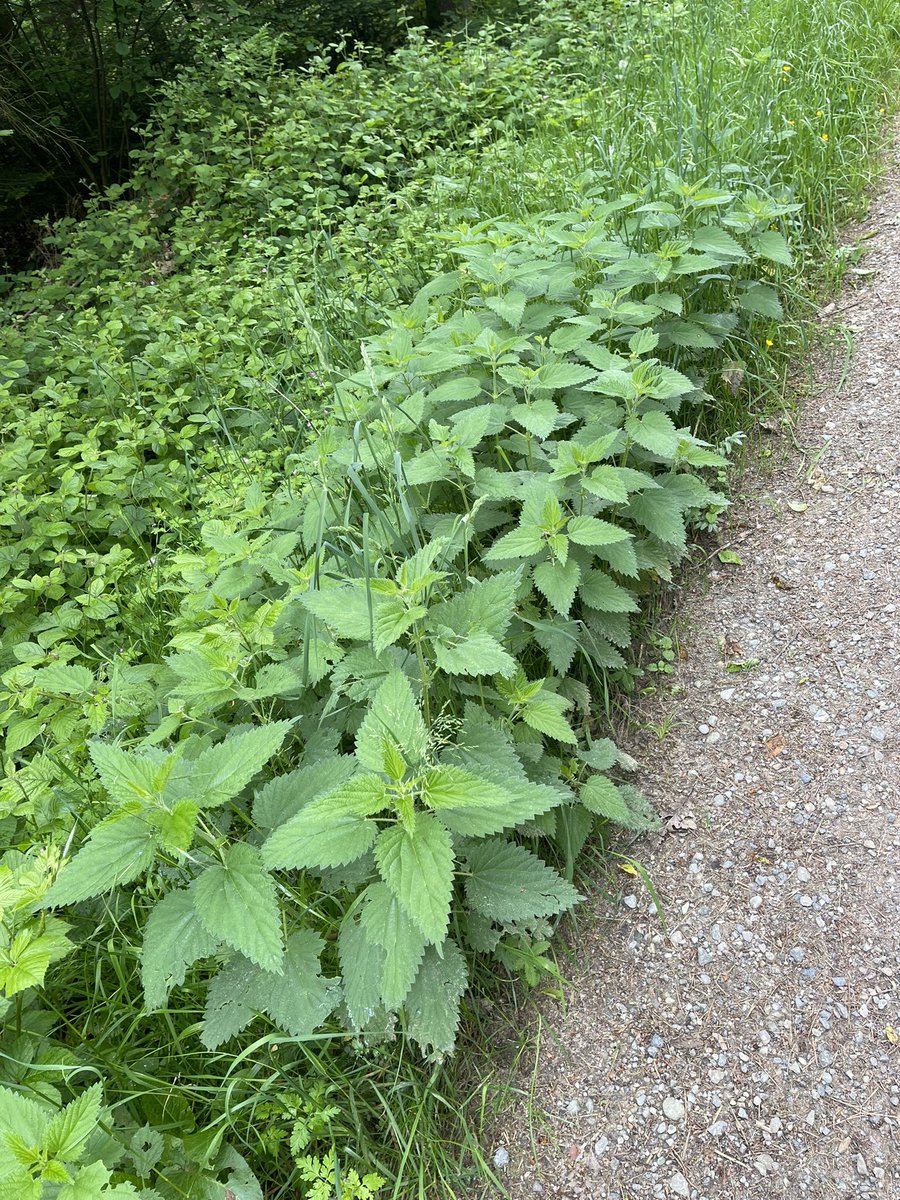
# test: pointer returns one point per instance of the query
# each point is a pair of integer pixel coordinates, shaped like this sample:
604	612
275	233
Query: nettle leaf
129	777
558	582
773	246
418	868
282	798
331	831
599	590
235	900
539	417
607	483
117	852
508	883
545	714
714	240
560	375
394	715
453	788
602	755
762	299
521	542
654	431
432	1006
362	971
660	512
220	773
560	639
510	308
174	939
345	609
621	803
386	923
298	1000
475	654
70	1128
591	531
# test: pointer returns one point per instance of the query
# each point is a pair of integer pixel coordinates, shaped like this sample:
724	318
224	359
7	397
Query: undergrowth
346	447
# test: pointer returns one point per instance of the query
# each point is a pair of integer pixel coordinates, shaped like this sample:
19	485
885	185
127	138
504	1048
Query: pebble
630	901
673	1109
798	954
501	1158
803	876
704	958
679	1185
718	1128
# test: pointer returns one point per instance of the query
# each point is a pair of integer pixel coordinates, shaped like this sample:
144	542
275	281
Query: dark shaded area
78	80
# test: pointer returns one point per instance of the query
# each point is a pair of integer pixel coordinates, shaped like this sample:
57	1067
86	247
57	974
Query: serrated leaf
174	939
713	240
762	299
386	923
773	246
607	483
558	583
432	1005
222	771
331	831
655	432
235	900
598	590
418	868
545	715
661	514
93	1182
560	375
600	795
300	998
128	777
283	797
591	531
394	714
175	825
117	852
487	605
345	609
509	307
688	334
521	542
602	755
475	654
560	639
70	1128
508	883
446	788
643	341
23	1117
362	971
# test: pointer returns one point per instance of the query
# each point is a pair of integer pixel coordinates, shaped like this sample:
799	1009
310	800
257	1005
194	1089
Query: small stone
716	1076
806	901
755	902
601	1146
861	1166
876	734
718	1128
704	958
679	1185
798	954
630	901
672	1108
537	1188
839	981
803	876
501	1158
765	1164
573	1108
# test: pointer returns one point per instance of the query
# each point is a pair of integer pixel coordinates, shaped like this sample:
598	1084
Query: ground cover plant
340	472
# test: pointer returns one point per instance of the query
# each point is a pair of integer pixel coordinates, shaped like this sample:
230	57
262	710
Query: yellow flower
819	113
769	342
824	137
786	68
790	122
881	110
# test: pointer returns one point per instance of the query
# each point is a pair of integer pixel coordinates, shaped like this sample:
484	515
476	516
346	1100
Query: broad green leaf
23	1117
118	851
520	542
463	387
345	609
475	654
545	714
418	868
508	883
283	797
601	796
174	939
560	639
93	1182
602	755
643	341
220	773
487	605
394	714
600	591
687	333
558	582
331	831
773	246
385	923
362	971
432	1006
607	483
560	375
235	900
762	299
71	1127
660	513
126	776
510	307
540	417
451	787
655	432
175	825
300	998
591	531
621	557
713	240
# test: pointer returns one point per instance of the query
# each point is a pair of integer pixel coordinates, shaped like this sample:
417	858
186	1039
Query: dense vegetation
345	443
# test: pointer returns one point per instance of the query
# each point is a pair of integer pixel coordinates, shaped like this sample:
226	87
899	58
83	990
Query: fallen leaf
628	868
746	664
733	375
783	585
770	425
797	506
732	648
681	823
827	310
775	745
729	556
892	1035
574	1152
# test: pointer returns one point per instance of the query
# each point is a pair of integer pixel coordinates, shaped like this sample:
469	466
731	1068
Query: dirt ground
749	1049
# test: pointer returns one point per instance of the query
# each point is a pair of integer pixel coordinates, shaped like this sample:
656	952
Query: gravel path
749	1050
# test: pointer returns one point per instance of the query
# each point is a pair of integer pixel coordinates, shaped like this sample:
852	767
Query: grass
788	97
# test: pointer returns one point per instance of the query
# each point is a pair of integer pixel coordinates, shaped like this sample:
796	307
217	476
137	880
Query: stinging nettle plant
378	756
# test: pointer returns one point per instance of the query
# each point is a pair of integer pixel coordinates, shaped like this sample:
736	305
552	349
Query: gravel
746	1048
